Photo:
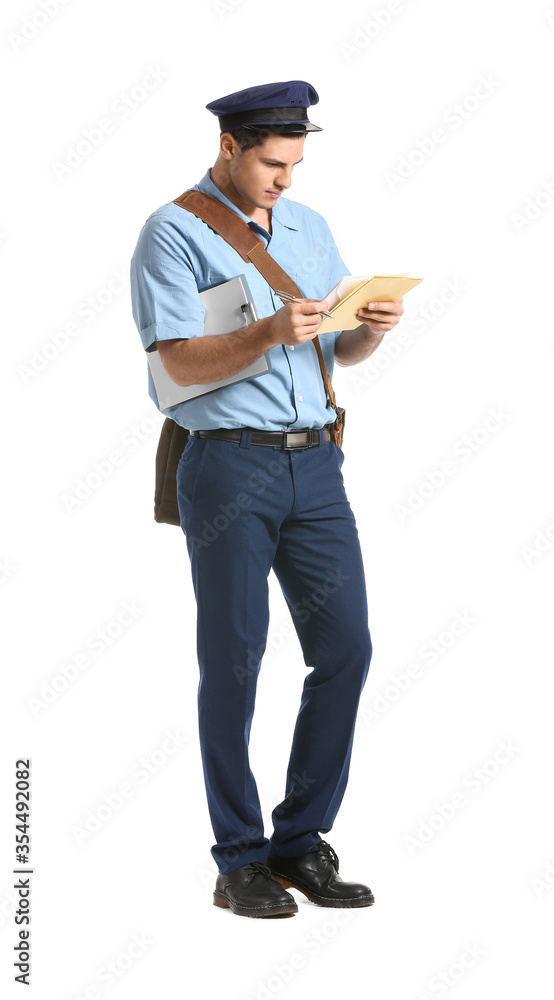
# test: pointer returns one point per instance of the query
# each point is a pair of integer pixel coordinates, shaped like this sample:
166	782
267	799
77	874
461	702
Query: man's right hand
296	322
202	360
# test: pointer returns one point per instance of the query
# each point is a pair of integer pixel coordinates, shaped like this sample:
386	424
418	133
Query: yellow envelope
378	288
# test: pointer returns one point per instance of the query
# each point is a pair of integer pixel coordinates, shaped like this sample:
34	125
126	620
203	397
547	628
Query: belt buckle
296	434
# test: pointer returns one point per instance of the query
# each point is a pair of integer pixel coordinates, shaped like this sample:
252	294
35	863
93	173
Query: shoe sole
275	910
324	900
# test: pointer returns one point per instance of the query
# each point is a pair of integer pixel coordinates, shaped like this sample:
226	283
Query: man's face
268	168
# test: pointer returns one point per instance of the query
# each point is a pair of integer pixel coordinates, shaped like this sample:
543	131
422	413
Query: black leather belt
288	440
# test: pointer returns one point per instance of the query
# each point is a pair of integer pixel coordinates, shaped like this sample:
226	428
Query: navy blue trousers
246	509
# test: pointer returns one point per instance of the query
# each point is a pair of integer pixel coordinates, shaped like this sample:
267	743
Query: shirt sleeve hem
162	331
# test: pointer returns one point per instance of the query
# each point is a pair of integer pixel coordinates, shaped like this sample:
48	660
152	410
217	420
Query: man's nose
284	181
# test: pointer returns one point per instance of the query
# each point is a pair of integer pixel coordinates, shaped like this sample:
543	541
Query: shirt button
301	398
292	348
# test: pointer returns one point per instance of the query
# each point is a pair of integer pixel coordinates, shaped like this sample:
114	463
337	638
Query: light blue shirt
178	255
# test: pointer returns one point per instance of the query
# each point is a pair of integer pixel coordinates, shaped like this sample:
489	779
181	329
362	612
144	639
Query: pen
291	298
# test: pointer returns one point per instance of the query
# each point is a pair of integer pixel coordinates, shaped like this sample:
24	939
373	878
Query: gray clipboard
229	306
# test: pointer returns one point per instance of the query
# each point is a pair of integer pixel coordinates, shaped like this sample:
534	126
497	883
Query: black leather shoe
316	875
251	891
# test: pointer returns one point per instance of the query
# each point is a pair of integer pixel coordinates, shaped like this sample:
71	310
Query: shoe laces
257	866
327	851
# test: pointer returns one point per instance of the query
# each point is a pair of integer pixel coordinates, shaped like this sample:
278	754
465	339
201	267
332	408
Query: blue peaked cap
272	107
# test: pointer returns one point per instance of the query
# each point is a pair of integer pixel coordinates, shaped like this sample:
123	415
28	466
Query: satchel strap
243	239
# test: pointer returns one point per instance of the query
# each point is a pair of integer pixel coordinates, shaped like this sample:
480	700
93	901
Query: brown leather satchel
238	234
171	445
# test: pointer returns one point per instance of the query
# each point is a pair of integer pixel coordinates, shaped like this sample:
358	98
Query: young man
260	487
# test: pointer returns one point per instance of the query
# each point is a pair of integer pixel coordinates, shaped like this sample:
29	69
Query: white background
472	213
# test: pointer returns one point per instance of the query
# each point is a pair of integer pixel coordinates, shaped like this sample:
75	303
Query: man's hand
353	346
296	322
381	316
201	360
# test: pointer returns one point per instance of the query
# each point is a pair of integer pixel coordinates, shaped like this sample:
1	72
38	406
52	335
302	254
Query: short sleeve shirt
177	256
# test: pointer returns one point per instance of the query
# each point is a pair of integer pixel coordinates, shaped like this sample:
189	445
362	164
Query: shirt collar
280	213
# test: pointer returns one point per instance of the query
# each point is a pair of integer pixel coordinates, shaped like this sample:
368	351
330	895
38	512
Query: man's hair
247	138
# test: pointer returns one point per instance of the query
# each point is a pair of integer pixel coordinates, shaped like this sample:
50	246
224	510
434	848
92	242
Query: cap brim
285	128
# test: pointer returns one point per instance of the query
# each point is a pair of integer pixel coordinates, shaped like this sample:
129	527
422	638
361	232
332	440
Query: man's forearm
201	360
353	346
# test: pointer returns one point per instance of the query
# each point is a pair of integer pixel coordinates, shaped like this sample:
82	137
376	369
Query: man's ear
228	146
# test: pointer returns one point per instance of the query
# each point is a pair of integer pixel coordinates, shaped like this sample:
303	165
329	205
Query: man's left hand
381	316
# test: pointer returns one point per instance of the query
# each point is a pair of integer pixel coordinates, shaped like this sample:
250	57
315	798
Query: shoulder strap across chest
238	234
